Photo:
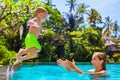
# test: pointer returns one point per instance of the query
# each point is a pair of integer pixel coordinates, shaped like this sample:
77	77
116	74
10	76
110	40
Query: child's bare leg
29	56
20	53
24	51
26	57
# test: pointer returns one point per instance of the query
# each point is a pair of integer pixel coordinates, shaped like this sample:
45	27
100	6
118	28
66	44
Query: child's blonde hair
41	9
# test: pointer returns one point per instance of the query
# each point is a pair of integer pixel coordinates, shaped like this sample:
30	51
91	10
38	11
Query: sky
104	7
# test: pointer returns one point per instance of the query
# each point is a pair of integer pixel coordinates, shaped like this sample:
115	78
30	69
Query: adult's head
99	61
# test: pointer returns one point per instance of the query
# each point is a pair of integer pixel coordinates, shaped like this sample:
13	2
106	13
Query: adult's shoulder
92	71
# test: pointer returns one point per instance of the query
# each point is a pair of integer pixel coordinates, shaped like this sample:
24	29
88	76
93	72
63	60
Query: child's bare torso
34	27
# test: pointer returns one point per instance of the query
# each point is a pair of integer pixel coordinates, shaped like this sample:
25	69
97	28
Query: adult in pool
98	61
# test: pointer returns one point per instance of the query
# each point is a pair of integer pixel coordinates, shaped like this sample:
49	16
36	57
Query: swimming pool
55	72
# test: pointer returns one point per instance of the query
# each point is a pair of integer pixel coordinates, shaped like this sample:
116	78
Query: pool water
55	72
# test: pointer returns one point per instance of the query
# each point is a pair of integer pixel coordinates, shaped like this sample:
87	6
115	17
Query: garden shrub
5	55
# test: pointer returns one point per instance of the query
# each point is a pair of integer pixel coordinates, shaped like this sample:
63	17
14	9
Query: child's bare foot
18	56
17	61
21	51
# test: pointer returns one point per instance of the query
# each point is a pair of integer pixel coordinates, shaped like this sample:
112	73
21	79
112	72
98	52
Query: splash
10	70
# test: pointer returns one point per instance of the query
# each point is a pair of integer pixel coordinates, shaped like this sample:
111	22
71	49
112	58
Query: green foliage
110	60
54	20
68	54
2	40
86	43
49	33
5	55
48	50
21	10
116	57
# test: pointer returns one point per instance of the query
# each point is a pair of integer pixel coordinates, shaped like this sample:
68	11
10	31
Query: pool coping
54	63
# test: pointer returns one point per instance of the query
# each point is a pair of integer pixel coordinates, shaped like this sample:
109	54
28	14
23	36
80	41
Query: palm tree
70	24
94	17
74	18
48	2
71	4
115	28
107	27
81	11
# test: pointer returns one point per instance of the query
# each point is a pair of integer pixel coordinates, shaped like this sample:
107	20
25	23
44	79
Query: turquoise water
55	72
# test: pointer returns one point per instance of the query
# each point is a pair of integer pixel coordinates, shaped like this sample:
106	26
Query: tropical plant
116	57
48	49
85	43
5	55
71	4
116	29
48	2
107	27
94	17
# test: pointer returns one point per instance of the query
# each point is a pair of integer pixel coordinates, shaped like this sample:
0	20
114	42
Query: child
31	43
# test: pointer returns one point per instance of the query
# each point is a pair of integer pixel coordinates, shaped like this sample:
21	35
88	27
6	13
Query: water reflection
99	76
